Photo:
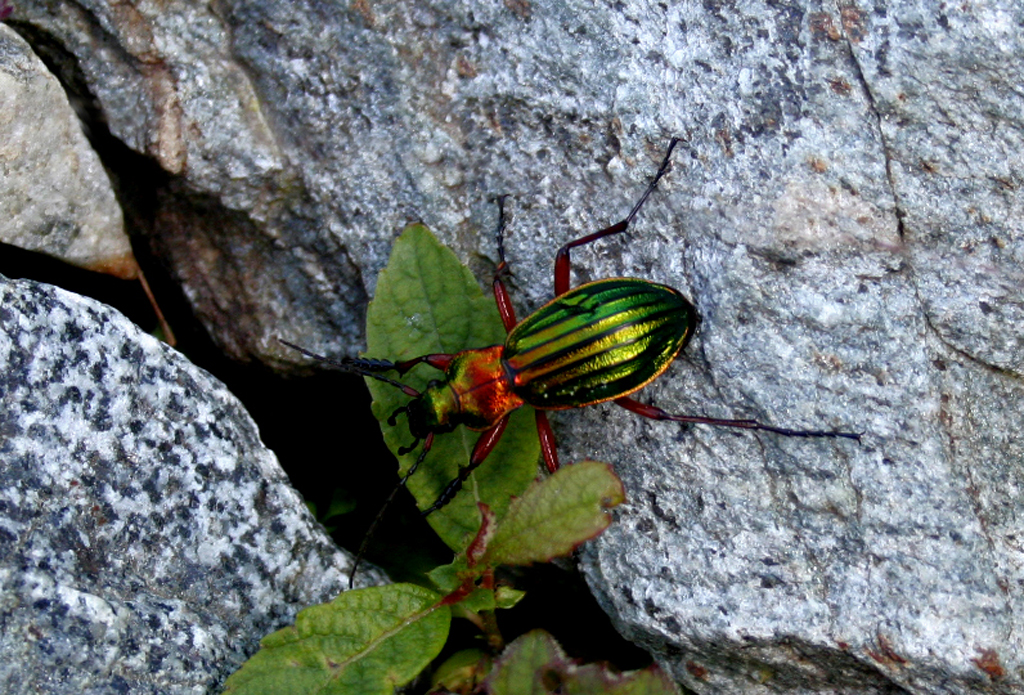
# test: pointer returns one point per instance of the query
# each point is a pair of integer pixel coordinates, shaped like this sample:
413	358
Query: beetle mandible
598	342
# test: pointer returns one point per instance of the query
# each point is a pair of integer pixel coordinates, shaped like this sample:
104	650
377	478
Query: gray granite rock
864	277
846	219
56	197
148	540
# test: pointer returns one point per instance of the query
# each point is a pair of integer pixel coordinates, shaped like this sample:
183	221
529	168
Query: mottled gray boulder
56	197
846	219
148	540
856	276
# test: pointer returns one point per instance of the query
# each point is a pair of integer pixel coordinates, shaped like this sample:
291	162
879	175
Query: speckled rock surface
56	197
148	540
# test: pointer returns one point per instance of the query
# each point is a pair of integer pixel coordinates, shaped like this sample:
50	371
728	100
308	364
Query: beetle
598	342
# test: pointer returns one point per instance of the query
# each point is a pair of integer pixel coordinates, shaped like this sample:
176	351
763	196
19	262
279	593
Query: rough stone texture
56	197
846	219
148	540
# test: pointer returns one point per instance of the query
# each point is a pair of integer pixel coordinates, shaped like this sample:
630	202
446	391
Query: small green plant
427	302
376	639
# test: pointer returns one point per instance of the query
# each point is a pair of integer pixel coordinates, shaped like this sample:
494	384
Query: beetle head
430	412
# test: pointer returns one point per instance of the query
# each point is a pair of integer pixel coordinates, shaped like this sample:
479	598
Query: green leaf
427	302
448	578
365	641
479	600
462	671
556	515
531	665
534	664
342	502
507	597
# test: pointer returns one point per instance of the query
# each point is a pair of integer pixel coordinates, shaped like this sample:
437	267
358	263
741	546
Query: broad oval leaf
427	302
555	515
365	641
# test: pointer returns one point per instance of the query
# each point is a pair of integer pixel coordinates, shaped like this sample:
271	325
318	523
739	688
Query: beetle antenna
387	503
360	366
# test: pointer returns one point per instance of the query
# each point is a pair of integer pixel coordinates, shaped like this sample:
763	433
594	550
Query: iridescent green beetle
598	342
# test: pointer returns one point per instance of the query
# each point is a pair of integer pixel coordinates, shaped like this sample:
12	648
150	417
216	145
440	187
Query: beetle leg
393	417
547	441
656	413
562	259
504	302
508	318
427	443
483	447
438	360
403	450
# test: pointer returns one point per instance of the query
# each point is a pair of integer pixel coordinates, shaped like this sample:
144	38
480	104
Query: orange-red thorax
476	391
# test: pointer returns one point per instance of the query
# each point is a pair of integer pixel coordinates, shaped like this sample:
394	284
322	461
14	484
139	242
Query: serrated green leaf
365	641
534	664
531	665
556	515
427	302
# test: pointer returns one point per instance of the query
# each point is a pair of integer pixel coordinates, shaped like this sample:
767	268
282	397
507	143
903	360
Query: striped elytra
597	342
